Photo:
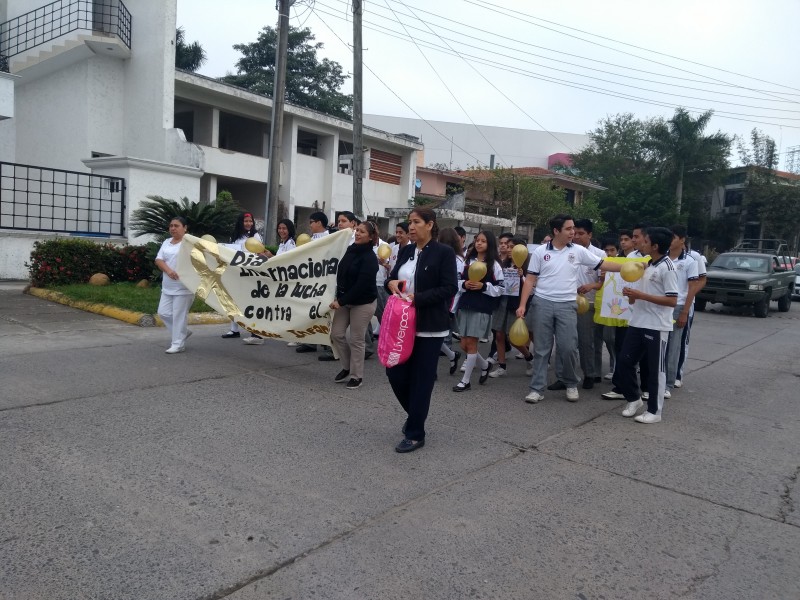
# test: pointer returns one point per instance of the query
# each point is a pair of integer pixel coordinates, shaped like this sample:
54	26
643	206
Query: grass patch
122	295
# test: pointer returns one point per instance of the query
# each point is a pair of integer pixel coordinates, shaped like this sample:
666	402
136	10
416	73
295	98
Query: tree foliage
310	82
153	217
188	57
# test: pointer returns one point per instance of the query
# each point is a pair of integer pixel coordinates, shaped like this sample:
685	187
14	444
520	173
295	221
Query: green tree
154	214
310	82
188	57
683	152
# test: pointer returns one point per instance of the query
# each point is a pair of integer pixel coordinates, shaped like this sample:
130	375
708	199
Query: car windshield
756	264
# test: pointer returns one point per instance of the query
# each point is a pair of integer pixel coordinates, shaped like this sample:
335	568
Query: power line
496	88
584	57
366	66
585	87
495	6
430	64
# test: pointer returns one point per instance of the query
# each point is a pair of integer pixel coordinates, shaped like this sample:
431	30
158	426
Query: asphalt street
244	472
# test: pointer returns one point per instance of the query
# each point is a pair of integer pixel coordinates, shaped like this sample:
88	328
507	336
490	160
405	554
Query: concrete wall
309	184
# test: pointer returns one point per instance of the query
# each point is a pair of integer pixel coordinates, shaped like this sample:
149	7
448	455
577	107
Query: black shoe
327	357
305	348
588	383
598	380
230	334
341	376
558	385
454	363
407	445
461	387
353	384
484	376
367	355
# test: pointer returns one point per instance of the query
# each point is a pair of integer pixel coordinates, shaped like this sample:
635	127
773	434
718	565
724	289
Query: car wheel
761	308
785	302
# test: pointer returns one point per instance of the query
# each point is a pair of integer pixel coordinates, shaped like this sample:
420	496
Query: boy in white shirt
651	303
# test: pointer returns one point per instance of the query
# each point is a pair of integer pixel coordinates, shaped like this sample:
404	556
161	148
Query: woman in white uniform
176	300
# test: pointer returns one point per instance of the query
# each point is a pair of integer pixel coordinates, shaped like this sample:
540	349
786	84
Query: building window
385	167
733	198
307	143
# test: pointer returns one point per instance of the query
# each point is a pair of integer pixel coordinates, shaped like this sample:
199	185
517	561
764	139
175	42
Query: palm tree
188	57
154	214
682	148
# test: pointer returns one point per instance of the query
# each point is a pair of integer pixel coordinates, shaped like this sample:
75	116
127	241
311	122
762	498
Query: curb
128	316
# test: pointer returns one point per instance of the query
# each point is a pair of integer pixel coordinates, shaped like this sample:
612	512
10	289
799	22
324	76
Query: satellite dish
418	184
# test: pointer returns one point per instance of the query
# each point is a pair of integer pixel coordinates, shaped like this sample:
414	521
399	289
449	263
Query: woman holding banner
356	297
245	228
176	299
425	273
286	235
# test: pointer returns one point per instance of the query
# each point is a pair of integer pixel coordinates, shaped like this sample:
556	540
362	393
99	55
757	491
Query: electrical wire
495	6
602	91
396	95
461	106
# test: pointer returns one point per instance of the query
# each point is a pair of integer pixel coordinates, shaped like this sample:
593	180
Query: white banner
285	297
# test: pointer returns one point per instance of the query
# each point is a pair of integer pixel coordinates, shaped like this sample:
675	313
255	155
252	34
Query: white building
464	145
94	118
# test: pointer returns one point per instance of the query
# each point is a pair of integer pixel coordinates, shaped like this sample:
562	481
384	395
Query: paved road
243	472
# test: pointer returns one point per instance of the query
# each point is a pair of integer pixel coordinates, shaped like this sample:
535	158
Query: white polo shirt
701	262
556	270
589	275
659	279
686	271
321	234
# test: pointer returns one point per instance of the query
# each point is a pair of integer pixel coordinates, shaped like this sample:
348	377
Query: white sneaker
572	394
631	408
533	397
678	383
612	395
648	417
253	341
517	354
498	372
463	368
484	340
645	395
492	360
175	349
667	394
529	368
609	376
292	344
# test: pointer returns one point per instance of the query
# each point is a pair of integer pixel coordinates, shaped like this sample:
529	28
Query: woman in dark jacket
356	297
425	273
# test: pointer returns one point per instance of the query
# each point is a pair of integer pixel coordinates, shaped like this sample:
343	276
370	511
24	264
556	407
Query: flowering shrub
65	260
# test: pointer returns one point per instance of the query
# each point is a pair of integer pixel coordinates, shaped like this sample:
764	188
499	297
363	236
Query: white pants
174	311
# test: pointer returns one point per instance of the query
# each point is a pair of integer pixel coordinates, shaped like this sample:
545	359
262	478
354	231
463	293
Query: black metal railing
41	199
49	22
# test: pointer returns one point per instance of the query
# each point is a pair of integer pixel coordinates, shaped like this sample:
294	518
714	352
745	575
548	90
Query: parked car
749	277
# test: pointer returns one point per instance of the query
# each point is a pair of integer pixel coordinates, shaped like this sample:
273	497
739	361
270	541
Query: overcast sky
743	53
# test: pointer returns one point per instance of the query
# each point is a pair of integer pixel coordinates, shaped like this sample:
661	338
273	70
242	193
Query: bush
63	261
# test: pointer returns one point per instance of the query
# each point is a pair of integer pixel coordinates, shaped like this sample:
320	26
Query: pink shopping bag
398	327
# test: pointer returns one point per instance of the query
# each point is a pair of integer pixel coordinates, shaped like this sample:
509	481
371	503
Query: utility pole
358	122
276	128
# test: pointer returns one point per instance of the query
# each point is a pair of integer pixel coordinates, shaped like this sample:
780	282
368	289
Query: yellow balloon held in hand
632	271
209	238
303	238
519	254
253	245
477	271
384	251
583	304
518	334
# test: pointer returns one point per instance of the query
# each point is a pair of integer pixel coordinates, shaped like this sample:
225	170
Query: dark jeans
412	383
644	371
648	346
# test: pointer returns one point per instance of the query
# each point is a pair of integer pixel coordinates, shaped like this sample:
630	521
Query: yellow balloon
384	251
209	238
518	334
519	254
632	271
477	271
253	245
583	304
303	238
